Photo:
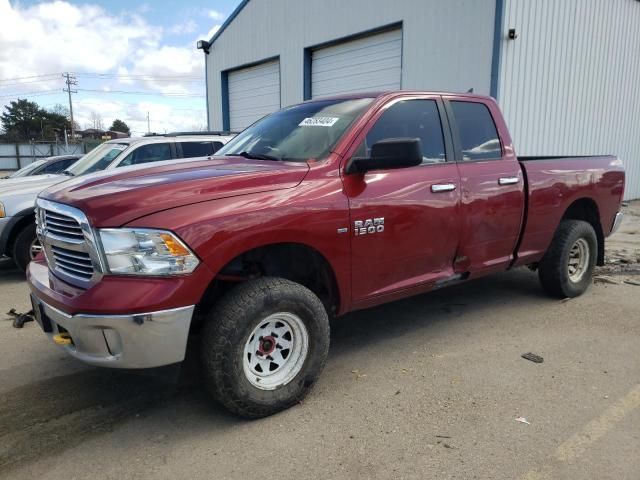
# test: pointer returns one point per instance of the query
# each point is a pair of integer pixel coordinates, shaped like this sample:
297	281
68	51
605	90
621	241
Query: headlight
129	251
2	212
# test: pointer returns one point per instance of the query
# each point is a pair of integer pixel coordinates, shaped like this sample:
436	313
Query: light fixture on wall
512	34
203	45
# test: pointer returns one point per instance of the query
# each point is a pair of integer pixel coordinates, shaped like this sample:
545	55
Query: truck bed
554	184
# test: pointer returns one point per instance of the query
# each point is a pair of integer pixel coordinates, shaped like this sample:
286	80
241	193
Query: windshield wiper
257	156
68	173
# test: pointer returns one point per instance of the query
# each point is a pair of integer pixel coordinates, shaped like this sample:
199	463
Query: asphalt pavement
428	387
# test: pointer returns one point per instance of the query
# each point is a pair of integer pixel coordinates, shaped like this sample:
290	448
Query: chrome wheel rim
275	351
578	260
35	248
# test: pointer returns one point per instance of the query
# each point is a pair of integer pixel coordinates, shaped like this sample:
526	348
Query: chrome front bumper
120	341
616	222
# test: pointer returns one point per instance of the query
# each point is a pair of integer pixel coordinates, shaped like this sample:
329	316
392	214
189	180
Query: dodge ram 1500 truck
316	210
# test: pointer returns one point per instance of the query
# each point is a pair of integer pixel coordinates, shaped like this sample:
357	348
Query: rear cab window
477	134
198	148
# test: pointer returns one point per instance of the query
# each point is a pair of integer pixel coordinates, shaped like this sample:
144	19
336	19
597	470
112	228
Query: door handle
443	187
508	180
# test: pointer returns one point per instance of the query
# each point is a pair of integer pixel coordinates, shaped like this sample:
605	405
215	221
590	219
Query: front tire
264	346
567	267
26	246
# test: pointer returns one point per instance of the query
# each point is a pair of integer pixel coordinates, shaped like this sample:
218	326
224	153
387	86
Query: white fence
16	155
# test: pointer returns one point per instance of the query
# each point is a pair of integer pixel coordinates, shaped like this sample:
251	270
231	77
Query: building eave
228	21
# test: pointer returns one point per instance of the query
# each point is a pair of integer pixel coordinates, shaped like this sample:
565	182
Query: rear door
404	223
492	186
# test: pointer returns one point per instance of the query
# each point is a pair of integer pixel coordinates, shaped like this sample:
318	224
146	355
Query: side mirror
389	153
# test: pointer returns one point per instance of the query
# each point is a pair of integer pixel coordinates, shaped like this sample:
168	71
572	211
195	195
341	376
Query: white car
18	196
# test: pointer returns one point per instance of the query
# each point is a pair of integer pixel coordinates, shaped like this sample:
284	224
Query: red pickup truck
314	211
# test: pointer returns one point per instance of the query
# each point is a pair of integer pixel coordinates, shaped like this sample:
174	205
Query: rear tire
567	266
264	346
25	246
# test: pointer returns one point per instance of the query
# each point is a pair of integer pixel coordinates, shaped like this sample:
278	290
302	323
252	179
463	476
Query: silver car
18	195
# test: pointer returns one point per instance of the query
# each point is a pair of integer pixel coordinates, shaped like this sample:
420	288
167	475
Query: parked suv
46	165
17	196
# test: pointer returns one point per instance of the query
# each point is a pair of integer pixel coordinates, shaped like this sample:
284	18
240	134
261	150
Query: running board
452	280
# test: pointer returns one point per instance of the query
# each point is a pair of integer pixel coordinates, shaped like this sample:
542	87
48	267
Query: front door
404	223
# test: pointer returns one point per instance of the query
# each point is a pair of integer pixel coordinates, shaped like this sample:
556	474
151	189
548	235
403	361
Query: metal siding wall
570	82
447	44
372	63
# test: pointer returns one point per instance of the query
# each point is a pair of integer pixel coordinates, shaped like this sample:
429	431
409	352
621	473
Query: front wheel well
292	261
15	229
586	209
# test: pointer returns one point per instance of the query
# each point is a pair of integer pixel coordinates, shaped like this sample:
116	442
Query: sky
111	47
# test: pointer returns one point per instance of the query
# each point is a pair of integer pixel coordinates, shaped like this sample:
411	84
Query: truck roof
392	93
178	136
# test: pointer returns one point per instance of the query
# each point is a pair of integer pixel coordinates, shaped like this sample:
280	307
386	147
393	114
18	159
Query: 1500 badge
368	226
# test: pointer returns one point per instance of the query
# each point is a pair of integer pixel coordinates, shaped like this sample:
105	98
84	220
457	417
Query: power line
52	76
31	94
82	90
30	77
3	85
131	92
142	76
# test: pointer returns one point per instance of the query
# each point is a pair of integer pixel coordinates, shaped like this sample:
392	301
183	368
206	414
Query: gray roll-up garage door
371	63
253	93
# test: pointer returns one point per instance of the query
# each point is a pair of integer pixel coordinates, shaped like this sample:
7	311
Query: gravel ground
429	387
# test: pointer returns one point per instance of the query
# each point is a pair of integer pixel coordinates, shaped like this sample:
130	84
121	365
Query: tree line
23	120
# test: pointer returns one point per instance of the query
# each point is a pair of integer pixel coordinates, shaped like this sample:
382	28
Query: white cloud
58	36
188	26
87	38
163	117
215	15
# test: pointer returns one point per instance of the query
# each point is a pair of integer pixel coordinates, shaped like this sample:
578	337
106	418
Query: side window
197	149
57	167
410	119
217	146
478	135
153	152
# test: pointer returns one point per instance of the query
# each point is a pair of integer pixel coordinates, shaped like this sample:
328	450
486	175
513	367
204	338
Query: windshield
97	159
24	171
299	133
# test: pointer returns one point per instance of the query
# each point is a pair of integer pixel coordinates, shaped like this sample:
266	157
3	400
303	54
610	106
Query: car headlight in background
133	251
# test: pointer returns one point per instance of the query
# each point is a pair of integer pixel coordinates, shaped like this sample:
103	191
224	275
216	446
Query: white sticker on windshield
318	122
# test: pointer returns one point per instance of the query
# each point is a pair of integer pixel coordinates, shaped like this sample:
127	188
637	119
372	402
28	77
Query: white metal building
566	73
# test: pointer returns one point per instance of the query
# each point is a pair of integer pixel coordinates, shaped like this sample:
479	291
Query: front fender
220	230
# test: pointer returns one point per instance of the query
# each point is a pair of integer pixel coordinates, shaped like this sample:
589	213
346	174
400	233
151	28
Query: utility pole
70	80
148	124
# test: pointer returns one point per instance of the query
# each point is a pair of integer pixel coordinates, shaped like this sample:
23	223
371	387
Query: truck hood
115	197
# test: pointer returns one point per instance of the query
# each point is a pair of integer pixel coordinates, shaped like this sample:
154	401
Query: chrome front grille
68	242
63	226
74	263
